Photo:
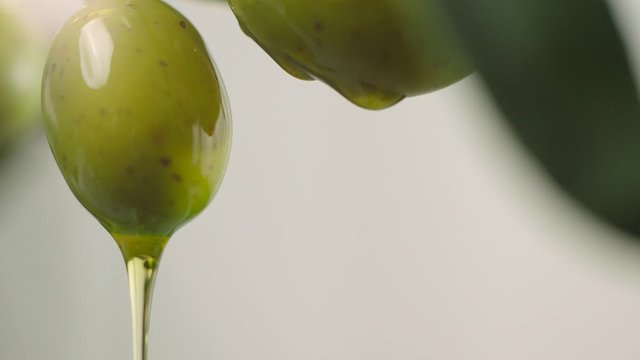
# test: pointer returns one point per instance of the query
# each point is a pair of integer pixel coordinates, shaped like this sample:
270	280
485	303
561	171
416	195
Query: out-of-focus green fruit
374	52
136	115
21	60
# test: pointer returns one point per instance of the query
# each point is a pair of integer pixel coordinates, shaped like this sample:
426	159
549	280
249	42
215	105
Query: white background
419	232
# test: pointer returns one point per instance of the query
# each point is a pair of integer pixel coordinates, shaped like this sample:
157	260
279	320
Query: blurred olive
21	61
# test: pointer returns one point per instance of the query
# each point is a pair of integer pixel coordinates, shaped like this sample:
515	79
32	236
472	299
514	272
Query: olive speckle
182	24
165	161
176	177
78	119
162	63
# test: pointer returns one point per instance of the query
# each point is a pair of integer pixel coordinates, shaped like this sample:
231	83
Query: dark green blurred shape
560	73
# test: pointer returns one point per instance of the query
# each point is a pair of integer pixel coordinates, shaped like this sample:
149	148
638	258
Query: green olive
136	115
373	52
20	63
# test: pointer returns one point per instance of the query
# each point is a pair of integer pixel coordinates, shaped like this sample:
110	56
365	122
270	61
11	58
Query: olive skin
136	115
374	53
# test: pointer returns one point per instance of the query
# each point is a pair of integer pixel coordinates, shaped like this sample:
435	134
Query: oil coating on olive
136	115
373	52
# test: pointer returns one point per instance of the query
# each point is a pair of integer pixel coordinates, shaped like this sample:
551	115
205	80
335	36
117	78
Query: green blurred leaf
559	72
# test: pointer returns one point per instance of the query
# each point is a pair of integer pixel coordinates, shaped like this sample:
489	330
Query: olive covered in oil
374	53
136	115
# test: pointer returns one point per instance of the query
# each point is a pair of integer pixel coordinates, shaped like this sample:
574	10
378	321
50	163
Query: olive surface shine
374	53
136	115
